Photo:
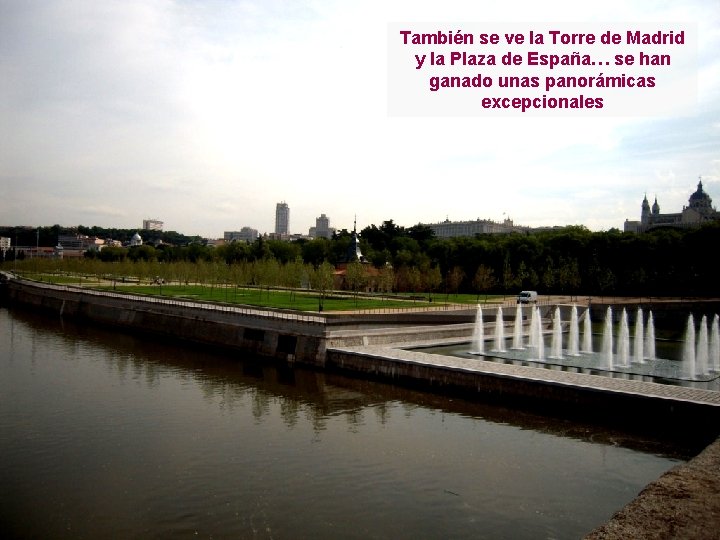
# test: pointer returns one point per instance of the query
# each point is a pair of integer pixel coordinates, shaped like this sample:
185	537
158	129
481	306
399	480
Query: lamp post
37	254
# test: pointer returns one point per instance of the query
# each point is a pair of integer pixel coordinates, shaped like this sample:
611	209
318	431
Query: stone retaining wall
277	336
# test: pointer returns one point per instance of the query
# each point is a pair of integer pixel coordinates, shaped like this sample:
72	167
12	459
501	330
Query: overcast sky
206	113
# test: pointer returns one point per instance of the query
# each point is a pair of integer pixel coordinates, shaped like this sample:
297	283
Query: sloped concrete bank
683	503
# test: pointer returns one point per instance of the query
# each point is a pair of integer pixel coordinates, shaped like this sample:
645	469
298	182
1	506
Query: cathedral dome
699	194
700	198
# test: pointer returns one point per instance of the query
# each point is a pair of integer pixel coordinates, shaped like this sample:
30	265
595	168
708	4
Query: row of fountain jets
701	348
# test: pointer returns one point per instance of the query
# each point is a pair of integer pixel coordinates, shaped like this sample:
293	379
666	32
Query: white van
527	297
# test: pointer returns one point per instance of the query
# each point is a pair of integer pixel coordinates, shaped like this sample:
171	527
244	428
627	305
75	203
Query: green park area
301	299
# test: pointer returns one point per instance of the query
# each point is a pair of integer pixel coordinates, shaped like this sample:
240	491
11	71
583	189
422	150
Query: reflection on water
108	435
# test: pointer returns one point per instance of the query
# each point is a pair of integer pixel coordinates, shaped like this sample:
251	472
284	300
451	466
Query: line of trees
569	260
48	236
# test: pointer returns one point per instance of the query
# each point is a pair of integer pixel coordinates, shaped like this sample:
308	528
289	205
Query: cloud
205	114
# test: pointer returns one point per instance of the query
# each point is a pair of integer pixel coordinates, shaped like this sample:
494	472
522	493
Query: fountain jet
478	339
536	342
556	343
499	331
623	346
517	330
715	345
587	333
574	337
607	343
688	355
701	350
638	340
650	338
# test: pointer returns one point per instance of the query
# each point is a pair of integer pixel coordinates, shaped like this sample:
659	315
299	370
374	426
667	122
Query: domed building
701	202
136	240
699	210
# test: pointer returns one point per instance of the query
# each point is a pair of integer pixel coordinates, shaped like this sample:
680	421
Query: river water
108	435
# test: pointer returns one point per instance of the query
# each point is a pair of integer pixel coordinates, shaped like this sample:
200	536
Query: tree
454	279
284	252
509	279
142	253
522	275
321	279
260	249
422	234
433	279
548	276
386	279
112	254
568	275
234	251
267	273
316	251
484	280
355	277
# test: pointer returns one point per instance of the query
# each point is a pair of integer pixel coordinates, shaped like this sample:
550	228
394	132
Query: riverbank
683	503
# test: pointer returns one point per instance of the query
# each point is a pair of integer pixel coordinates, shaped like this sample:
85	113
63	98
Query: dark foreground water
105	435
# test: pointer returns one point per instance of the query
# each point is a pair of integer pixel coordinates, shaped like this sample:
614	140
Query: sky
206	113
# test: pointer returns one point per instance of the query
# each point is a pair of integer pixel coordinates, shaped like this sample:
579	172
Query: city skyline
207	114
476	226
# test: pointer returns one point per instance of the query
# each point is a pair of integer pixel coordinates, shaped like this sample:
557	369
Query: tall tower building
322	227
282	218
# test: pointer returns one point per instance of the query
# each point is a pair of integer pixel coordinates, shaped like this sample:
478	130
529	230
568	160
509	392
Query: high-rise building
152	225
322	228
282	218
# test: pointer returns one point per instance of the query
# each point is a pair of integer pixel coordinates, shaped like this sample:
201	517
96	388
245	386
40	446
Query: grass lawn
300	300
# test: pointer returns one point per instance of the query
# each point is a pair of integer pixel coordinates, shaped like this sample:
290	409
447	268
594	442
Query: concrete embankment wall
288	337
278	334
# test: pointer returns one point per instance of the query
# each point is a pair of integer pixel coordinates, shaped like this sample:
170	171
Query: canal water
108	435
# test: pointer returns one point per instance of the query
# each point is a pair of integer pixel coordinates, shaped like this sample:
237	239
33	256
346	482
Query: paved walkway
582	380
